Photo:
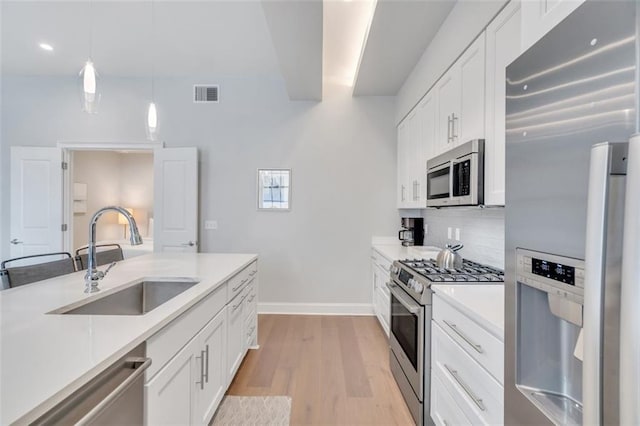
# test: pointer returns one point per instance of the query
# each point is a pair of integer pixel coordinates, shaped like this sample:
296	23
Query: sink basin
137	298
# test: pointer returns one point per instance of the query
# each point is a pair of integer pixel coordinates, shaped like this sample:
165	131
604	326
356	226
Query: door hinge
65	165
64	227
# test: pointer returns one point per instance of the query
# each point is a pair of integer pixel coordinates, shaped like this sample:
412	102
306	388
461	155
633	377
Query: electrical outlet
457	234
449	232
210	224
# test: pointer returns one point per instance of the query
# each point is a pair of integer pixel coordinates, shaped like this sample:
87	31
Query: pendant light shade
152	121
89	88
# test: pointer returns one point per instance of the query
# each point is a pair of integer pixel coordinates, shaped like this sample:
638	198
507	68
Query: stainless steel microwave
456	178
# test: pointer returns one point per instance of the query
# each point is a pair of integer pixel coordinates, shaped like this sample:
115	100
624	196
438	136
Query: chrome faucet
93	276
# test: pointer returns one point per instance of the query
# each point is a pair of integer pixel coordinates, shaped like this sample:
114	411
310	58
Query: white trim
110	145
316	308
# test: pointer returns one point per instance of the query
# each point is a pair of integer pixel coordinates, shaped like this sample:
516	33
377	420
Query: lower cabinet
235	337
380	267
190	387
196	355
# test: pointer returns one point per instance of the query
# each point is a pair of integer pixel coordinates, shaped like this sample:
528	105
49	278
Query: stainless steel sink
137	298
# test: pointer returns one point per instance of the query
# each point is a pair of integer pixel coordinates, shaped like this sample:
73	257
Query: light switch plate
210	224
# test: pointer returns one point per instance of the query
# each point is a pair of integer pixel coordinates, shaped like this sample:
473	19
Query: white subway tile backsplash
482	232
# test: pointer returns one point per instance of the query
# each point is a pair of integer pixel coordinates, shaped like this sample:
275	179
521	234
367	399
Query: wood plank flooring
335	368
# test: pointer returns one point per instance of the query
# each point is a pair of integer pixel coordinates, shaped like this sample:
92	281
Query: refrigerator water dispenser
549	312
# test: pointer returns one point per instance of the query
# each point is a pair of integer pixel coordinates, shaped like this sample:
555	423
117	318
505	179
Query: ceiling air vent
205	93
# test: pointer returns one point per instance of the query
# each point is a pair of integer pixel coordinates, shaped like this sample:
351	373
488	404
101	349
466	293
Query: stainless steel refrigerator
572	279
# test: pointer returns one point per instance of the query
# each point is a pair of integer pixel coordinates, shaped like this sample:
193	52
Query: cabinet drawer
478	394
238	281
444	410
382	262
252	298
163	345
483	346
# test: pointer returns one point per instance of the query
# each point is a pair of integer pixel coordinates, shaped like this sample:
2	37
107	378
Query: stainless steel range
410	336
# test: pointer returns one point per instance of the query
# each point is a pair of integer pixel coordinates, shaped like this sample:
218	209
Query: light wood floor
335	368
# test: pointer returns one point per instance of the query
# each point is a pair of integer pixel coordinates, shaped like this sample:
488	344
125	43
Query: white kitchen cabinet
466	367
540	16
170	394
380	269
503	46
428	130
190	387
196	356
409	173
211	344
235	335
460	95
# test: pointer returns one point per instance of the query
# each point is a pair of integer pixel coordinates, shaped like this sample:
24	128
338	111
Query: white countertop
484	303
398	251
44	357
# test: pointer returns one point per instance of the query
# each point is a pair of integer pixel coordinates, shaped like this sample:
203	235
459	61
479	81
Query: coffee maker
412	232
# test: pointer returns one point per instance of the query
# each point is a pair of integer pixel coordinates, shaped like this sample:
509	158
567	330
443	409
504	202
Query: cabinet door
471	64
235	336
427	143
540	16
170	395
403	141
212	342
448	94
503	46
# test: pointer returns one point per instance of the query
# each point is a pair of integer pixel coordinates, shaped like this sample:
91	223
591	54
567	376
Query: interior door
175	199
36	201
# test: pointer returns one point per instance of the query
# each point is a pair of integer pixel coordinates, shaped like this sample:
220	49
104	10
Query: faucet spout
93	276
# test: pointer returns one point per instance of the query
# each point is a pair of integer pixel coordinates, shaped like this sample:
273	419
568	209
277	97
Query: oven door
406	336
439	185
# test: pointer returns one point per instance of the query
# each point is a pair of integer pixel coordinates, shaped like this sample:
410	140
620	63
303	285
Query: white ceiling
399	33
218	37
302	41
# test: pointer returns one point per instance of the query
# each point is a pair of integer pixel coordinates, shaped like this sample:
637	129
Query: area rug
253	410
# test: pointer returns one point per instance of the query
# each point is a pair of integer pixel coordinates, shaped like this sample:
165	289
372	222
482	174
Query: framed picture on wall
274	189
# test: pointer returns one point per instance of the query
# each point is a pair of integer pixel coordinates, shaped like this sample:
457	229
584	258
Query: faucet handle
106	271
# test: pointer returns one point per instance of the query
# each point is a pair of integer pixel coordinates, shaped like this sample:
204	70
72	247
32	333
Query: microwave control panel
558	275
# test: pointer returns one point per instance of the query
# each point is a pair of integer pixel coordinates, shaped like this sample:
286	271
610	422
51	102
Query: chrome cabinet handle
253	296
464	337
201	358
467	389
15	241
402	193
243	282
206	375
189	244
252	273
454	135
417	191
239	303
449	121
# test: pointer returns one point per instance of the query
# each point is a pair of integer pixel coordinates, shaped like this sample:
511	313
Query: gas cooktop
469	271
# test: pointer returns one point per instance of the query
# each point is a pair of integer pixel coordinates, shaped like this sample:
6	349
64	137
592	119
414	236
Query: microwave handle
451	164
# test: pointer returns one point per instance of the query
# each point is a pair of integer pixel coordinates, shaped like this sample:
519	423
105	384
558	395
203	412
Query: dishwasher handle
141	364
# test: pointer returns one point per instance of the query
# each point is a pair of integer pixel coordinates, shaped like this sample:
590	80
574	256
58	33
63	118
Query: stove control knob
394	269
419	288
412	283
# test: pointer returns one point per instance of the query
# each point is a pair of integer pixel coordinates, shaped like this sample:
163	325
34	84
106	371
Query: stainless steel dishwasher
114	397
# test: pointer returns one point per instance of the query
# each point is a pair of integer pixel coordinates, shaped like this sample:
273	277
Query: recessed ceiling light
46	46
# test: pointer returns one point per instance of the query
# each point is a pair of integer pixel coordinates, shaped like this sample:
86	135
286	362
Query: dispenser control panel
557	275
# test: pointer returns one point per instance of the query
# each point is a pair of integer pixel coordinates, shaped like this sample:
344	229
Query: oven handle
404	301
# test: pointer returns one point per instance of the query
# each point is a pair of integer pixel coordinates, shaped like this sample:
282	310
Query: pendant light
152	113
88	76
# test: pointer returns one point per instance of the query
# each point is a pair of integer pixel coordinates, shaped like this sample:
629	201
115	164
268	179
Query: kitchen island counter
45	357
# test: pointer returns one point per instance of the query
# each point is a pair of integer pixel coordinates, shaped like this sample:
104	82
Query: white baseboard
316	308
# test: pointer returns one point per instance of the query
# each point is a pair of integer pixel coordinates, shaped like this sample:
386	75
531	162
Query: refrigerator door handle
630	292
595	257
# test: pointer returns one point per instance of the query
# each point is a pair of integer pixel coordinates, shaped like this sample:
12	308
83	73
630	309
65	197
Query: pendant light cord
153	65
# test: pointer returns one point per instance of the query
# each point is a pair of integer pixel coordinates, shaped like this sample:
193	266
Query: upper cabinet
503	46
540	16
410	180
460	95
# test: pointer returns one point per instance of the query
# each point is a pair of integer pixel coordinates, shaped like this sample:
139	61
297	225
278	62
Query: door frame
68	148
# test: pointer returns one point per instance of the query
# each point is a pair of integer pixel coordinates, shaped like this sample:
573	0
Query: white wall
342	152
481	232
465	22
